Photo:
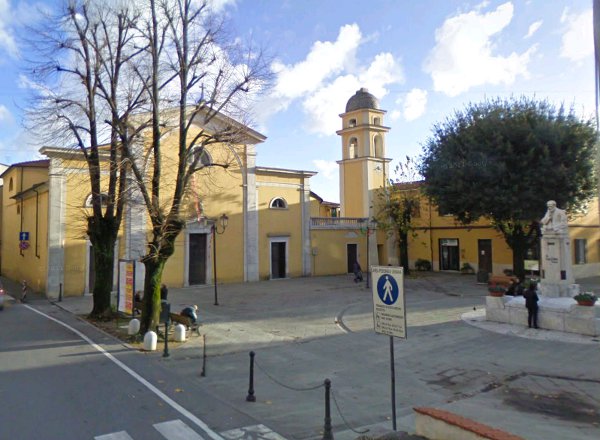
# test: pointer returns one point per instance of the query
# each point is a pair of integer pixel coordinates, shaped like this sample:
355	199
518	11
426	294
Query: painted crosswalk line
254	432
121	435
176	430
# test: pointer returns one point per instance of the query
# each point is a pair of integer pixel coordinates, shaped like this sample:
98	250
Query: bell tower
363	168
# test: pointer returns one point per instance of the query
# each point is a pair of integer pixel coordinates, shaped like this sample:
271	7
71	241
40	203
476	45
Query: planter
586	303
497	294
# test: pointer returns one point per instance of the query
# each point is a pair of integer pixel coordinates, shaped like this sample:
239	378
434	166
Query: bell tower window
378	142
352	123
376	121
353	148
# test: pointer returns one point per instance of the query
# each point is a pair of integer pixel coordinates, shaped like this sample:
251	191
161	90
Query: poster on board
126	286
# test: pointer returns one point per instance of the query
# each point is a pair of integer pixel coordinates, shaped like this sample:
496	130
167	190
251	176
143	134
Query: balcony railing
337	222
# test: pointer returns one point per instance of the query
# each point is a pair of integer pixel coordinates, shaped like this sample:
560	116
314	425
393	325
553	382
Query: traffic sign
23	236
389	313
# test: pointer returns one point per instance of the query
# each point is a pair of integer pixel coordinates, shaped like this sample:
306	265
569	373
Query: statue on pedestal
557	270
555	220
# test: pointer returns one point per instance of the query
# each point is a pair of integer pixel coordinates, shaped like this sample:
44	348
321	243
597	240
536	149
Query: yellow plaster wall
27	265
279	222
353	189
331	250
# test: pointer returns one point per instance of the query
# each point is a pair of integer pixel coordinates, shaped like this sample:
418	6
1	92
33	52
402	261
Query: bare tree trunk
103	236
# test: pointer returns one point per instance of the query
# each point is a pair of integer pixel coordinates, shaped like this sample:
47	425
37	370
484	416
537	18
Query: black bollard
327	432
60	292
203	373
251	397
166	351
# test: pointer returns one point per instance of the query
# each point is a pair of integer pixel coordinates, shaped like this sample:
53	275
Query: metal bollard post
166	351
251	397
327	432
60	292
203	373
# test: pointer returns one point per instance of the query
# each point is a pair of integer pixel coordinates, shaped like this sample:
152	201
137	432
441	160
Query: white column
56	228
251	267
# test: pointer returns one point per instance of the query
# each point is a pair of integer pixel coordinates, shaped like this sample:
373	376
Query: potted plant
467	269
496	290
586	299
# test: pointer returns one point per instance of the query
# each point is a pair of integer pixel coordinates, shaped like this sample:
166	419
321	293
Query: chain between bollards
203	373
327	431
251	397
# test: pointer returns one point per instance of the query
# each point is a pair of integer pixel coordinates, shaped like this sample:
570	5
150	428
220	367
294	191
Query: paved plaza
537	384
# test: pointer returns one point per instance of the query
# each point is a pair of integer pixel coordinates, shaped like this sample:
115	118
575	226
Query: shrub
422	264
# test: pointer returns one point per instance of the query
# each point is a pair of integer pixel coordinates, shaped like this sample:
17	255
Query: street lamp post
368	232
215	230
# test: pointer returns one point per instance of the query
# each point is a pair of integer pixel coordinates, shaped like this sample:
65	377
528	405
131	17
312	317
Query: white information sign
389	313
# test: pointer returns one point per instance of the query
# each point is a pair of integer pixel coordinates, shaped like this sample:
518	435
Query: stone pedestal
557	271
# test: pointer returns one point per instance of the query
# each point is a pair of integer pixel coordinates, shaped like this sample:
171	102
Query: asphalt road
55	385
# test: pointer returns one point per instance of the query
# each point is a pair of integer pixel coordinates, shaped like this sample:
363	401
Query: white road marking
121	435
254	432
177	407
176	430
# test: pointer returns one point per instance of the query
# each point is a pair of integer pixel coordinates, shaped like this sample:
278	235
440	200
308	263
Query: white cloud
415	103
329	169
326	78
577	41
5	115
395	115
463	56
533	28
7	40
219	5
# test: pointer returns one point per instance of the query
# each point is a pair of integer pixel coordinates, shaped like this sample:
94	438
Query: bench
185	320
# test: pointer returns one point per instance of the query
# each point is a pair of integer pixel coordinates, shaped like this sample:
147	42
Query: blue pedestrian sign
387	289
23	236
389	314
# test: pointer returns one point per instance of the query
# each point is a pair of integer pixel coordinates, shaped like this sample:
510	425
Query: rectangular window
580	251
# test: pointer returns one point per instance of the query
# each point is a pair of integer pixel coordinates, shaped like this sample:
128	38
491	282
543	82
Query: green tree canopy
503	159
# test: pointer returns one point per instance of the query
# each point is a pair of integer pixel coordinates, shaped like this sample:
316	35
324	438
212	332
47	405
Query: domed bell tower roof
362	99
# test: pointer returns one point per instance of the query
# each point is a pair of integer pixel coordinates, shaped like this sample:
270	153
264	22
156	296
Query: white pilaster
56	228
306	245
135	220
251	267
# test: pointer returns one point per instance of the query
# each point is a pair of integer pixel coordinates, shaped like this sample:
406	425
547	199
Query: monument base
558	290
561	314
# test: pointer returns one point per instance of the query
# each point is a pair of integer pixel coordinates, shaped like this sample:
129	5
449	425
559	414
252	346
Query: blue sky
423	59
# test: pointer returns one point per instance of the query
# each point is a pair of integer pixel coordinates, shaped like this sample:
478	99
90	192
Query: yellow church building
276	226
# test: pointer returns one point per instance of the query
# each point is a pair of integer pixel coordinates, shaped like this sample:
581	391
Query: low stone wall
437	424
562	314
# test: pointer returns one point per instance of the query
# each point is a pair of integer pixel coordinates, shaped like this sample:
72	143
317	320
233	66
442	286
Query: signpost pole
393	373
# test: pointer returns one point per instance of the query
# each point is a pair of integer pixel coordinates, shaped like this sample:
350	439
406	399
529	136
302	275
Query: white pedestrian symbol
387	287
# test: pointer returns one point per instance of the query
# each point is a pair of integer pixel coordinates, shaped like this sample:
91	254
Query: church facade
276	226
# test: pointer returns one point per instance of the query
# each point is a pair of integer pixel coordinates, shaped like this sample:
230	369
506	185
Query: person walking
531	302
358	276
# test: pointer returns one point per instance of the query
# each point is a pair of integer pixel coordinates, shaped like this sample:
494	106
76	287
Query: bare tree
85	100
193	78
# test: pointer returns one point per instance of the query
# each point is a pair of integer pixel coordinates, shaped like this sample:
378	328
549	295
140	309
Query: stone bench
437	424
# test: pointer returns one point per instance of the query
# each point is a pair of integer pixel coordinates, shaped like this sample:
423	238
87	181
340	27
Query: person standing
531	302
